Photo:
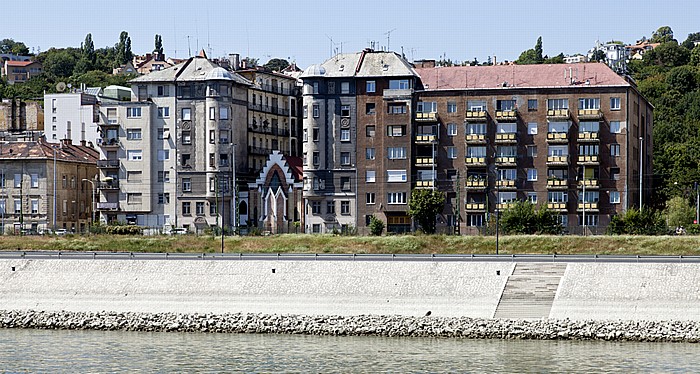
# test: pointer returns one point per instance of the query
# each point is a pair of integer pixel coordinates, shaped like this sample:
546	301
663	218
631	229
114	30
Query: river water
114	351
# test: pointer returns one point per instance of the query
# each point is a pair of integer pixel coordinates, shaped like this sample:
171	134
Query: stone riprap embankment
390	326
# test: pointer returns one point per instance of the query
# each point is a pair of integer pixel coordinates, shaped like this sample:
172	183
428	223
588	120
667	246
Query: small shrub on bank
124	230
376	226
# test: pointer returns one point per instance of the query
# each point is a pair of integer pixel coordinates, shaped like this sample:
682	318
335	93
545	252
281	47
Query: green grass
398	244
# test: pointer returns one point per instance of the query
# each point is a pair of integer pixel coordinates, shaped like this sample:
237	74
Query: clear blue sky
300	30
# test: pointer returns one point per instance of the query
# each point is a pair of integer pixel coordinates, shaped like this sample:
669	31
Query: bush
638	222
124	230
376	226
523	218
693	229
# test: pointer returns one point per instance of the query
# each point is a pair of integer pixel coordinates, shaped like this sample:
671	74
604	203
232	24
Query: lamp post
498	201
641	170
92	196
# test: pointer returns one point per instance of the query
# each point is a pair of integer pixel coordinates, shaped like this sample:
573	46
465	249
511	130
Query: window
345	135
476	152
505	105
370	198
2	179
558	127
590	219
532	128
507	197
161	134
532	105
615	174
330	207
614	197
186	184
2	206
134	155
396	109
506	151
163	90
134	176
163	154
305	136
133	112
558	150
369	153
186	114
345	110
398	84
316	228
531	175
370	176
186	137
316	158
396	153
315	134
614	103
315	87
614	150
344	87
133	134
451	129
212	160
506	128
557	197
345	158
396	198
306	111
164	177
396	130
186	208
588	103
588	126
476	128
555	104
427	107
34	180
212	136
223	137
35	206
451	152
163	112
370	108
371	86
396	175
588	149
164	198
316	110
212	113
212	184
615	127
199	208
370	130
451	107
475	220
345	207
476	105
507	174
223	112
319	184
531	150
316	207
223	159
18	206
134	198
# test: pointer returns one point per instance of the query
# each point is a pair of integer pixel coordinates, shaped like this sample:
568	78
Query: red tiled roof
42	150
295	165
19	63
519	76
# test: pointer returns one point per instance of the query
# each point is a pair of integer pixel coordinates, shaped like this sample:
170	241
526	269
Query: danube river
105	351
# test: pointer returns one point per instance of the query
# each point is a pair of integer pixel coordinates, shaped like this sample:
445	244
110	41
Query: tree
276	64
376	226
598	56
558	59
695	56
250	62
538	51
662	35
11	46
424	207
638	222
523	218
682	79
679	212
87	56
689	42
668	54
123	49
60	62
158	45
528	57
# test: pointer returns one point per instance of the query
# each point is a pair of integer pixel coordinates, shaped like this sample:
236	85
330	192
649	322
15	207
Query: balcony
259	151
426	117
475	161
557	184
593	207
557	206
557	160
425	184
558	114
506	184
476	115
588	160
506	161
557	137
110	123
594	114
504	206
475	138
591	184
107	206
506	115
426	138
588	137
108	164
425	161
507	138
475	207
397	94
108	142
475	184
113	185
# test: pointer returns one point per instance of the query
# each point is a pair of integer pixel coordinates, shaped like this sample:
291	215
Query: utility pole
641	171
583	180
457	204
498	201
697	204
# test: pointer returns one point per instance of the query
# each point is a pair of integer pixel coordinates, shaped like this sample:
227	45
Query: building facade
46	186
19	116
73	116
20	71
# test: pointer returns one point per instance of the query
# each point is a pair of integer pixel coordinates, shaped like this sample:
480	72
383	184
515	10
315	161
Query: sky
309	31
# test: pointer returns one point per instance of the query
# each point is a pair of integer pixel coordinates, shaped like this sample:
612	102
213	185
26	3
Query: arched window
243	208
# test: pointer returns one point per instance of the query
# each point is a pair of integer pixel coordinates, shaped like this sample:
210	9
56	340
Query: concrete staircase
530	291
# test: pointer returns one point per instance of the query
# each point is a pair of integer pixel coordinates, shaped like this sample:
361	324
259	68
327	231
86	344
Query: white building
73	116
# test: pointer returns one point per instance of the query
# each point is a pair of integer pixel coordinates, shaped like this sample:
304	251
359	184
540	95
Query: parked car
177	231
61	232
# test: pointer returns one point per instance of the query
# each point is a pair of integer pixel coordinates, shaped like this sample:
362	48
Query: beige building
45	186
20	71
17	116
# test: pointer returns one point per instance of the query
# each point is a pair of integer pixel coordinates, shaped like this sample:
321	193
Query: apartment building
73	116
568	137
20	71
46	186
357	116
167	155
274	118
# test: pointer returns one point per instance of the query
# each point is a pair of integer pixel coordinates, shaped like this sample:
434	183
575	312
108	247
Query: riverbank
364	325
398	244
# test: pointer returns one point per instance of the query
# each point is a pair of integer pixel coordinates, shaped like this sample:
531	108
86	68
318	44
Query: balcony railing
426	138
475	161
426	117
109	142
397	93
505	183
480	207
557	184
557	137
475	184
558	114
589	183
108	164
107	206
424	183
425	161
506	160
113	185
588	136
506	115
588	160
109	123
476	115
556	206
475	138
503	206
588	206
507	138
259	150
590	114
557	160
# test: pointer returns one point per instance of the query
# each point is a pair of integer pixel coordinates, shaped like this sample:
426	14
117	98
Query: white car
178	231
61	232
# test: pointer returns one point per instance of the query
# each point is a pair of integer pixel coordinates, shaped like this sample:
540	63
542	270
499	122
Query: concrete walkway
530	291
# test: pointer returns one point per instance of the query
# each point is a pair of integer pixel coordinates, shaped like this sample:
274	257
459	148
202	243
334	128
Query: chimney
494	60
425	63
234	61
83	143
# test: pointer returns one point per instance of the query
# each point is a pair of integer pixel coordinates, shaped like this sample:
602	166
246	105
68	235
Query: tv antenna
388	38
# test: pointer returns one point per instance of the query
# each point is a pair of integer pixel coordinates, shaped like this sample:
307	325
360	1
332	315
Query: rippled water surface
99	351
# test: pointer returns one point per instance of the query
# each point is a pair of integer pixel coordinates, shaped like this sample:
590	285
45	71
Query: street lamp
498	201
641	170
92	196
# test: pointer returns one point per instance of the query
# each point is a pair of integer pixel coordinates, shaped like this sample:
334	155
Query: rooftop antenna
331	40
388	38
189	49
